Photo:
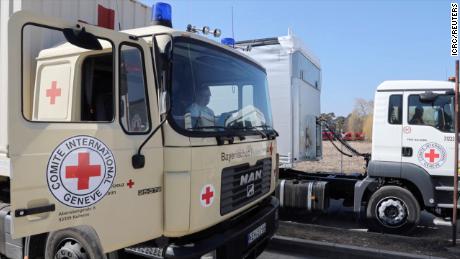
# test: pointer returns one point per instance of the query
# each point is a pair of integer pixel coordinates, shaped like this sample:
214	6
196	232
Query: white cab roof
399	85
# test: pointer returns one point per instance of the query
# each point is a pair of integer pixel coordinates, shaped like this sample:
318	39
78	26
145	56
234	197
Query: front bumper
230	239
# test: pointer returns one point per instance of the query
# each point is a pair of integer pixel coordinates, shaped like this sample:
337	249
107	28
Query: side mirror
82	39
428	97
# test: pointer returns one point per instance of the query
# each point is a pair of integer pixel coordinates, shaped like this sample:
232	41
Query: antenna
118	11
233	34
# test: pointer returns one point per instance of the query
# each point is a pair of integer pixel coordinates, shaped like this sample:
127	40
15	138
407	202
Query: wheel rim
69	248
391	212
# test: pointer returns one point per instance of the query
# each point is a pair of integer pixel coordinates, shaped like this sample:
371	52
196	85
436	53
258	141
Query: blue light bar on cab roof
161	14
228	41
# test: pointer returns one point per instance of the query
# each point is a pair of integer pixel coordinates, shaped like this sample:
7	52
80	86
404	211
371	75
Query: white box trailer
124	14
129	13
294	78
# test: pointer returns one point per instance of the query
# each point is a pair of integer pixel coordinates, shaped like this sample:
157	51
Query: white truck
410	169
116	142
411	165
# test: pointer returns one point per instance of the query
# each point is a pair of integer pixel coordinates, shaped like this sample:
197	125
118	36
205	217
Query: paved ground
276	253
339	226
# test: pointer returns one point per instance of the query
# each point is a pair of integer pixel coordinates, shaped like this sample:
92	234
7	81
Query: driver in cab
417	119
199	115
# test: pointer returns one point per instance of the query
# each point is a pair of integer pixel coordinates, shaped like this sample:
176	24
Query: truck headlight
210	255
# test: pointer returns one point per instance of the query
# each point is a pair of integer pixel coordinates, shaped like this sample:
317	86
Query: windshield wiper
208	127
252	128
272	134
221	139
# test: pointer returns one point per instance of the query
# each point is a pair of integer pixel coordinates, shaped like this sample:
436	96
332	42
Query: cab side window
438	114
395	109
97	88
134	113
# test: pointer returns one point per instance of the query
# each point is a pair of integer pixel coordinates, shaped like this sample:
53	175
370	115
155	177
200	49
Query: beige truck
135	142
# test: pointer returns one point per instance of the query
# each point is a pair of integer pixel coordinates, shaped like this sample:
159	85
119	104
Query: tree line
359	120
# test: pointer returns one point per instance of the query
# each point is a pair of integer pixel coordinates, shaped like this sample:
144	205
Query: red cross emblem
431	155
53	92
83	171
207	195
130	183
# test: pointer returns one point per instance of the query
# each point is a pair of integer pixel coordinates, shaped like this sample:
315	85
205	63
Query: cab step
442	222
146	250
448	205
446	188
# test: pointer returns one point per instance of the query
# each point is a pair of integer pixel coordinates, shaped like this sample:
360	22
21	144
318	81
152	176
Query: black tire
81	242
394	210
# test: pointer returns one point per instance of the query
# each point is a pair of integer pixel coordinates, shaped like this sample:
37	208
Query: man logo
250	190
251	177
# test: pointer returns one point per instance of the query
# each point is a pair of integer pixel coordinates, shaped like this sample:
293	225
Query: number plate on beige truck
257	233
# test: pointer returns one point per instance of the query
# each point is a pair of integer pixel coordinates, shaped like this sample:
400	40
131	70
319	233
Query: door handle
407	151
35	210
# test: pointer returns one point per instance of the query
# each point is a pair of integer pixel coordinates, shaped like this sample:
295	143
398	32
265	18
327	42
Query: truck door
386	143
428	138
77	116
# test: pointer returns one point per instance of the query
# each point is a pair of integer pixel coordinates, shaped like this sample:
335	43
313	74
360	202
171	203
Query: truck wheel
73	243
393	209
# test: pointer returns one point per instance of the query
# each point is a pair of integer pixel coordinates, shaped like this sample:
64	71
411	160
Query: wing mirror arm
138	160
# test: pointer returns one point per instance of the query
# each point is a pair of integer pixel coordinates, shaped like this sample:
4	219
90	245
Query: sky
360	44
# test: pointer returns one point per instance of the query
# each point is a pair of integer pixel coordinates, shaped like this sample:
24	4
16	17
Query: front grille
243	183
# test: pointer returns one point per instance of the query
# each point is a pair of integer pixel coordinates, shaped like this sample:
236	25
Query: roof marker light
217	33
205	30
228	41
161	14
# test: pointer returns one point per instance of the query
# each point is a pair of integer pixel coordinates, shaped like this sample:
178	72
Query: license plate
257	233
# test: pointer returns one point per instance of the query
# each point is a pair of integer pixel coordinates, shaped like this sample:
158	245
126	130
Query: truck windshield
215	91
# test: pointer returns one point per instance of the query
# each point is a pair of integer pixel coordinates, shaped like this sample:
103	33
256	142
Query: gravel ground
333	161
